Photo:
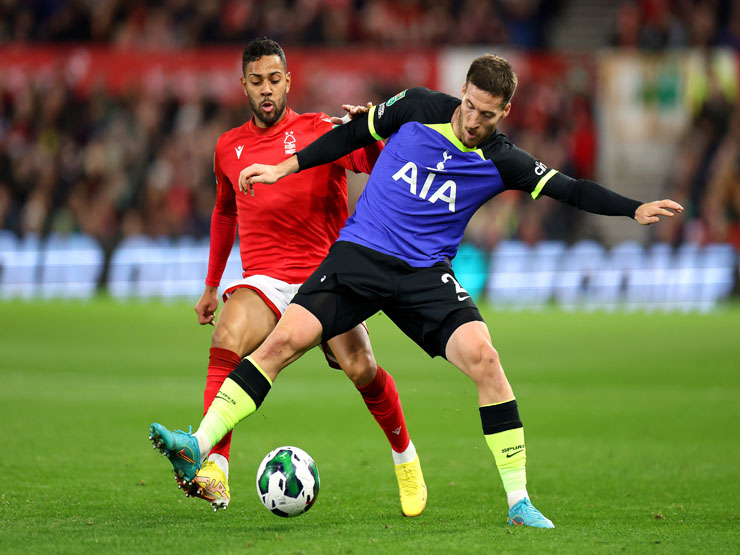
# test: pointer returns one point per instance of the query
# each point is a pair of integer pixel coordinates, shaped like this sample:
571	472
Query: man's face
478	115
266	84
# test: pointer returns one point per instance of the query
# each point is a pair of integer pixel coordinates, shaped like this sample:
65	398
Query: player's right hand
257	173
650	212
353	112
262	173
206	307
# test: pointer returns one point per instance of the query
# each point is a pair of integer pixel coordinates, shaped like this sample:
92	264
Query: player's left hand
650	212
353	112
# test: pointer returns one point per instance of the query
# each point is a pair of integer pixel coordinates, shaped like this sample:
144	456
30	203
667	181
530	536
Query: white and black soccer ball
287	481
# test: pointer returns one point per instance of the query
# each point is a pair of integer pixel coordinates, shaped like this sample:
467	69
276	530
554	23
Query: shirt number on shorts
462	294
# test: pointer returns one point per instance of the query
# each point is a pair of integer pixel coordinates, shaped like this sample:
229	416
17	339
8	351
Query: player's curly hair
494	75
259	48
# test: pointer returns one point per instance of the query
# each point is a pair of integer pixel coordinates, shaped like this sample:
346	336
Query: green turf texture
631	425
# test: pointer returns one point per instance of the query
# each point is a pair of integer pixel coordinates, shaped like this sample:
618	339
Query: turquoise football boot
180	447
524	514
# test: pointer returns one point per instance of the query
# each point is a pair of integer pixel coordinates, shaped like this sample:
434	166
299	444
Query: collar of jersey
445	129
278	128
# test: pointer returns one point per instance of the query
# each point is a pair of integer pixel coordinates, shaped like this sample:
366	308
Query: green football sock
511	457
504	435
240	395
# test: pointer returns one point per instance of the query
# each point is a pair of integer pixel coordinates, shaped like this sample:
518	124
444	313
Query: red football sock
381	398
220	364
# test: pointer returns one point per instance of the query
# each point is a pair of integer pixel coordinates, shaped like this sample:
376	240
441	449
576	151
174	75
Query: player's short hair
494	75
259	48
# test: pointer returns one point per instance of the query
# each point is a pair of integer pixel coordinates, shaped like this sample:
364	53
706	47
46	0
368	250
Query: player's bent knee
489	356
484	364
224	337
282	345
361	369
482	354
275	344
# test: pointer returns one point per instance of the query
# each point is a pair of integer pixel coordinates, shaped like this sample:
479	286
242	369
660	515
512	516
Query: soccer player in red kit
283	235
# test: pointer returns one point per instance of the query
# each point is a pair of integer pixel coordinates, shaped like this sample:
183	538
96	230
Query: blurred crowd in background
660	24
391	23
187	23
705	176
116	165
108	166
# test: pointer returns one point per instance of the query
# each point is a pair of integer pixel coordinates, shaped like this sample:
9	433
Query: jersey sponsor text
447	192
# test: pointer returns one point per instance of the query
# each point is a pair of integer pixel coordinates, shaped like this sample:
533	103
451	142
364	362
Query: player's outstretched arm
262	173
650	212
520	170
207	305
331	146
597	199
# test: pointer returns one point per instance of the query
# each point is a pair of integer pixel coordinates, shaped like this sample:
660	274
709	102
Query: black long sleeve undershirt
338	142
591	197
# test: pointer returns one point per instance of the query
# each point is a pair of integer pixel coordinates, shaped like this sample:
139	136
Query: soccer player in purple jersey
444	158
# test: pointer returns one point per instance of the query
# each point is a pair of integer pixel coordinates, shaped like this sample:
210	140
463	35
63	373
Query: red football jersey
285	229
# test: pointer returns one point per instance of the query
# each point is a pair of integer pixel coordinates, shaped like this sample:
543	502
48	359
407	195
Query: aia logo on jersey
540	168
447	192
289	143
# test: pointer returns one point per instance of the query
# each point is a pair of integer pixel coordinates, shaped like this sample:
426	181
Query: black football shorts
354	282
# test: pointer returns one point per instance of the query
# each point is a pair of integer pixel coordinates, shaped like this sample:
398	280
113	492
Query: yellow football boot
411	487
210	483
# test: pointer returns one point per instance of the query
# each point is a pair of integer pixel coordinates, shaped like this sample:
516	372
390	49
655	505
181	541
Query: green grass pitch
631	424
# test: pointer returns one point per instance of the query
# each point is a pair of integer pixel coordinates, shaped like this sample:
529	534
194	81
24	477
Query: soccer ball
287	481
